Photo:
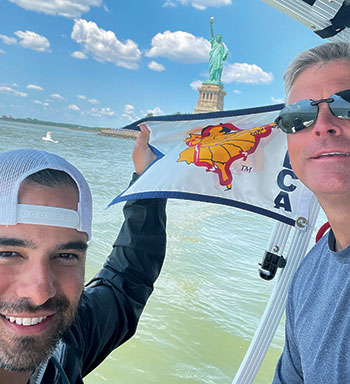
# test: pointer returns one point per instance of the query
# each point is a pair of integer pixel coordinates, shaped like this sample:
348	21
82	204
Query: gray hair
321	54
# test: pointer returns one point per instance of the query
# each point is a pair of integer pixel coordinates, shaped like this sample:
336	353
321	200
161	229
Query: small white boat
48	137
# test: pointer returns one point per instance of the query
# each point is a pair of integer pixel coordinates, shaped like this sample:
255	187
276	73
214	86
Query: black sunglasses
302	114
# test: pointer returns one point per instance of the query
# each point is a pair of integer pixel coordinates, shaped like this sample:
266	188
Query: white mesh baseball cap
16	166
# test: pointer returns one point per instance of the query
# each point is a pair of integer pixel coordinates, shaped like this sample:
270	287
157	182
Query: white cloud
73	107
8	40
57	96
3	52
107	112
101	112
204	4
11	91
199	4
156	66
33	41
35	87
196	84
43	103
128	117
104	46
169	3
129	113
277	100
245	73
79	55
179	46
155	111
67	8
128	108
237	91
91	101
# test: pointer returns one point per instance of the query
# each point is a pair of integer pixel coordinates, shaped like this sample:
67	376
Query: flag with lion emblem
237	158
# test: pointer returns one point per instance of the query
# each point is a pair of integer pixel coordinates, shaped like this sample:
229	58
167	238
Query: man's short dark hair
51	178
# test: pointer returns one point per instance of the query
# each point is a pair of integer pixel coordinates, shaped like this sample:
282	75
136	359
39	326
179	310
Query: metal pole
277	302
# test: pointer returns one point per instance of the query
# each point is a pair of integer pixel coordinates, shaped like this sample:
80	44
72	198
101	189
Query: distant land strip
121	133
124	133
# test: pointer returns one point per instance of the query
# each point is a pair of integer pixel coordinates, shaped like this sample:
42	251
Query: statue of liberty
217	56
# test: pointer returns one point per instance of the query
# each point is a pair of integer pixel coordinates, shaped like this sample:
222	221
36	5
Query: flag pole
277	302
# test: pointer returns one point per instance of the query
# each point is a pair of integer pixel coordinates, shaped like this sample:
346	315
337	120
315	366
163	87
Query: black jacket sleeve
113	301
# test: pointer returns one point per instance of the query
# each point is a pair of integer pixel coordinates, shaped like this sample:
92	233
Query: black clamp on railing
271	262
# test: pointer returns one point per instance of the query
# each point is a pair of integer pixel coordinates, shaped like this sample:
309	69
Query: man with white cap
52	329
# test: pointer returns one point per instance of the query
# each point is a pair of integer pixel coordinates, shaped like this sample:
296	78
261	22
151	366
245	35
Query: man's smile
331	154
26	321
27	325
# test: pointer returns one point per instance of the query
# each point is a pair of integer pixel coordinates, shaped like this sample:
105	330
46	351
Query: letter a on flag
237	158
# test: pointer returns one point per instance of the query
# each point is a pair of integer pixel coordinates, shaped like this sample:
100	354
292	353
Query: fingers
142	154
142	139
143	136
143	128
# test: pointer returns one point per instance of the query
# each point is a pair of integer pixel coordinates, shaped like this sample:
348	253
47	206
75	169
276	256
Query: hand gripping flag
238	158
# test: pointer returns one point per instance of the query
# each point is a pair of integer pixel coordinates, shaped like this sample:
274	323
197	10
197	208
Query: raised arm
211	27
114	300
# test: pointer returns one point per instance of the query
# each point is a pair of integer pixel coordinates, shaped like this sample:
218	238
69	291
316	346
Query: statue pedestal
210	99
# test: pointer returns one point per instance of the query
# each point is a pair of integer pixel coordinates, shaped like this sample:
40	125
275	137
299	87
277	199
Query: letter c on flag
281	180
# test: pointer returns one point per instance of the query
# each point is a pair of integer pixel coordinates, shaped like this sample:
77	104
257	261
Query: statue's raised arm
211	28
217	56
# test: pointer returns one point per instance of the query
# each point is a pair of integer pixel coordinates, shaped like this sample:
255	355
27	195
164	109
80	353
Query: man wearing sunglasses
317	123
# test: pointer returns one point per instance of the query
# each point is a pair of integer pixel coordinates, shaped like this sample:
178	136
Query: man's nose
36	283
326	123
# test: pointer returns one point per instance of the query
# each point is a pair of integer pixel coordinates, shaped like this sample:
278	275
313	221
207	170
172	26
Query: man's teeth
26	321
334	154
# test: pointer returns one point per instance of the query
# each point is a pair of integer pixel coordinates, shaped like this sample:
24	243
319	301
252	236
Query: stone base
210	99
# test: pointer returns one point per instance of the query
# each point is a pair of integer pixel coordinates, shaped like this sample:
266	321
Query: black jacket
113	300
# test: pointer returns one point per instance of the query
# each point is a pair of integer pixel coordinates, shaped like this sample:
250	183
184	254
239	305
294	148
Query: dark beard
20	354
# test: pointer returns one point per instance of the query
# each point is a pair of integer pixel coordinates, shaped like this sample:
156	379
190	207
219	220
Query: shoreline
123	133
109	132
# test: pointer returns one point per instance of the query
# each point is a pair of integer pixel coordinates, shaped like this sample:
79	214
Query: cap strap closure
44	215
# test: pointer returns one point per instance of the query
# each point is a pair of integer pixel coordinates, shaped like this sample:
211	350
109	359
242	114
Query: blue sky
107	63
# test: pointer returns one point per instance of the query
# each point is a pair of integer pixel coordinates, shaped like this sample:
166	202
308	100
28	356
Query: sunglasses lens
295	117
303	114
341	105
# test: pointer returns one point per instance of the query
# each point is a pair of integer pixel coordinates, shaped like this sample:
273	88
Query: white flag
237	158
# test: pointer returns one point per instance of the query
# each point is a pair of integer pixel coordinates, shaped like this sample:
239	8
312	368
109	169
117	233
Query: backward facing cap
15	167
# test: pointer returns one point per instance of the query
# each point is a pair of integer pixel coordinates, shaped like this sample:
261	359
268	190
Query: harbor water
209	297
